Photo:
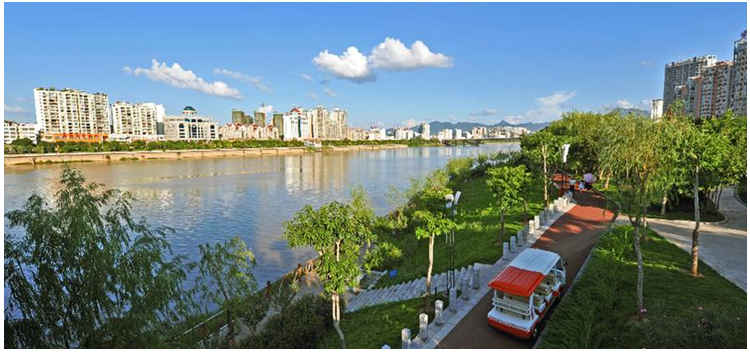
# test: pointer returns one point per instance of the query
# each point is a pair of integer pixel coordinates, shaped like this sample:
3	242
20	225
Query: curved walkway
723	245
572	236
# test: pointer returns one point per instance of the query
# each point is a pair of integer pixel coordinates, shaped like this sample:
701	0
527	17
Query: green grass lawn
683	311
683	210
477	236
371	328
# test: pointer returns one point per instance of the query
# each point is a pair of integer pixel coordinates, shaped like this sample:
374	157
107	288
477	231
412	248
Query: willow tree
506	185
432	220
338	232
82	272
638	154
226	277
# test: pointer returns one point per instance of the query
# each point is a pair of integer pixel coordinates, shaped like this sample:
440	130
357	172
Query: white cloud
266	108
329	92
556	98
392	54
306	77
550	108
14	109
624	104
410	123
312	96
486	112
647	63
351	65
255	81
178	77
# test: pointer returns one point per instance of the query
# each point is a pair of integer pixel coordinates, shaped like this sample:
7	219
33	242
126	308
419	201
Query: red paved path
572	236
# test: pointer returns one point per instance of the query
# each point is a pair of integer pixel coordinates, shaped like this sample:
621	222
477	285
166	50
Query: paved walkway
723	245
572	236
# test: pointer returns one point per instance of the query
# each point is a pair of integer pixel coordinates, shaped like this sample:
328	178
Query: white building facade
71	114
131	122
190	127
14	131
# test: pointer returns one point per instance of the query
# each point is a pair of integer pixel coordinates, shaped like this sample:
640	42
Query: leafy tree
84	273
432	220
338	232
635	153
506	184
226	276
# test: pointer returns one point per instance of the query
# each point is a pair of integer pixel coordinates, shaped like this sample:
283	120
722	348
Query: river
211	200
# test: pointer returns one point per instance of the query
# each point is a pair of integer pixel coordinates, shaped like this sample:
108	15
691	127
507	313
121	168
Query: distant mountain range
436	126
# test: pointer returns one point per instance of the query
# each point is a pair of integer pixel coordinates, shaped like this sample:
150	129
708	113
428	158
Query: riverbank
79	157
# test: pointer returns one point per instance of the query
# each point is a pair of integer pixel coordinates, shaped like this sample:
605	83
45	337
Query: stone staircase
404	291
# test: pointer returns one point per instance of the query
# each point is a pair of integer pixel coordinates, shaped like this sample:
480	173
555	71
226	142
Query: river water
211	200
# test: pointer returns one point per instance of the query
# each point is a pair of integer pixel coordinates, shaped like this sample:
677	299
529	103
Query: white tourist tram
525	291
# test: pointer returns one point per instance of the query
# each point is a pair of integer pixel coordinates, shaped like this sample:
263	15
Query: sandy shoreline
48	158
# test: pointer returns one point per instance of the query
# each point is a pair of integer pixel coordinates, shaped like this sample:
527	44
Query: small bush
301	326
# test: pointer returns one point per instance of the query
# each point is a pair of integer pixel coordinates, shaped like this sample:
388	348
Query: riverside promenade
573	235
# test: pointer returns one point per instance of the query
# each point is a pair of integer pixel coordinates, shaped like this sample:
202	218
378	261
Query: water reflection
210	200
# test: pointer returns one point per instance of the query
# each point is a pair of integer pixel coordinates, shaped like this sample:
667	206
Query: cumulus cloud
312	96
176	76
255	81
329	92
266	108
410	123
351	65
14	109
486	112
390	55
549	108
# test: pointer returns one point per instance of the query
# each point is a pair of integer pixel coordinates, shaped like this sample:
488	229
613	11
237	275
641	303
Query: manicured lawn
683	311
378	325
477	237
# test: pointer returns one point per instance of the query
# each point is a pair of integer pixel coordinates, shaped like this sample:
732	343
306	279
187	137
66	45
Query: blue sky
471	62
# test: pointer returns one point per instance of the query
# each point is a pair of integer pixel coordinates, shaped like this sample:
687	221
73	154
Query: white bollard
405	338
506	250
438	313
536	222
520	235
475	277
465	287
423	321
453	305
531	227
513	244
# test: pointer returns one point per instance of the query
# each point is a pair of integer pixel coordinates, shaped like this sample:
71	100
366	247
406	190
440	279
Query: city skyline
400	73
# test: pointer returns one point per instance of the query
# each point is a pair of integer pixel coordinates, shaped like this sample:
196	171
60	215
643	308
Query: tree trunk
696	230
230	324
337	318
606	184
664	204
429	266
525	212
639	258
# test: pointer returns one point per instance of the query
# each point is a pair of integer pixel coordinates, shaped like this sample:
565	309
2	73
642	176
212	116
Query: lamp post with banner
565	149
451	202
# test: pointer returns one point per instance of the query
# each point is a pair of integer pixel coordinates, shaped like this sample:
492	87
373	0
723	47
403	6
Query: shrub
301	326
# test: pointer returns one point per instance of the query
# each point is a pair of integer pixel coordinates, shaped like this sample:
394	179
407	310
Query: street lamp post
450	240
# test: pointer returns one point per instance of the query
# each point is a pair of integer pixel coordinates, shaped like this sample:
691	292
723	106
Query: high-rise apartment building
190	127
677	73
259	117
424	129
139	121
738	94
72	115
296	125
239	117
714	92
327	125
